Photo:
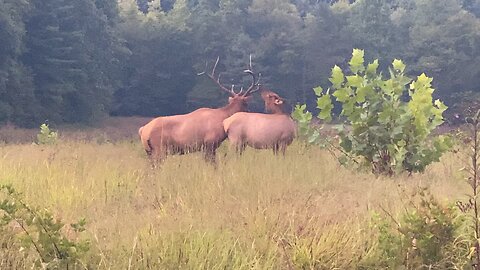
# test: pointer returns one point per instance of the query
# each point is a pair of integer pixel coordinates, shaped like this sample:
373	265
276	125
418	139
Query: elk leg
157	157
283	148
240	148
210	155
275	149
237	144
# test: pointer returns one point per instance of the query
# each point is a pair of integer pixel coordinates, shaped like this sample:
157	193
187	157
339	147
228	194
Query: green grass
256	211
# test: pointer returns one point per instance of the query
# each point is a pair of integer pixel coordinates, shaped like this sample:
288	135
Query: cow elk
200	130
262	131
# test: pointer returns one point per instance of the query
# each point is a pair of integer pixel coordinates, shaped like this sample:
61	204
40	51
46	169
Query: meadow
255	211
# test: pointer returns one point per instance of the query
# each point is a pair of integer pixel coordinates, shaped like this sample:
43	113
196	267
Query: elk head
273	102
237	99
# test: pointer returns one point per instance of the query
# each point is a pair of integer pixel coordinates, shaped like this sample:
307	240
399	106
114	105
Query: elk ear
278	101
248	98
230	99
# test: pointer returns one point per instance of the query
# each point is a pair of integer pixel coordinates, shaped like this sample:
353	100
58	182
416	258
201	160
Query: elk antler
255	86
230	91
251	89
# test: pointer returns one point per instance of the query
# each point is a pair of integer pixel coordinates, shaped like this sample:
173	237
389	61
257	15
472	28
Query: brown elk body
262	131
200	130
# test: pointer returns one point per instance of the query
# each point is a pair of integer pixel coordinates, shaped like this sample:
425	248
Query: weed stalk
473	171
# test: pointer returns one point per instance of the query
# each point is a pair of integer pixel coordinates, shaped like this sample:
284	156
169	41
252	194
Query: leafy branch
40	230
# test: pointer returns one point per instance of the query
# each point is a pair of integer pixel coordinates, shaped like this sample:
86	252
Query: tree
445	41
143	5
278	44
73	54
385	133
64	60
160	72
373	30
473	6
17	101
327	41
108	8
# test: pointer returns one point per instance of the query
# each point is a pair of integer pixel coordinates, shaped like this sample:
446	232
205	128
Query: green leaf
301	115
398	65
372	68
401	143
354	81
325	115
440	105
323	102
399	157
356	63
343	94
346	144
397	130
314	137
422	82
337	77
348	107
363	92
318	90
388	87
385	117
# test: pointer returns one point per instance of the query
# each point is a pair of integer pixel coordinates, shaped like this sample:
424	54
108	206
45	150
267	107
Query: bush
37	231
388	121
46	136
425	237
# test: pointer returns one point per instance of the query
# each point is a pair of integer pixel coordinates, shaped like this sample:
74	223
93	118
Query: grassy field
256	211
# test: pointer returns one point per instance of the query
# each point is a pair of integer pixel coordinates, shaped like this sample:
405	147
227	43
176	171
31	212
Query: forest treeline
75	61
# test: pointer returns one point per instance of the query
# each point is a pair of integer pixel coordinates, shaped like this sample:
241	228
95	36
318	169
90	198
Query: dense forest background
75	61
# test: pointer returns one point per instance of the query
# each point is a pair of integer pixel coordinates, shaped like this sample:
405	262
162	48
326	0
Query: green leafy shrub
37	231
382	131
304	119
47	136
425	237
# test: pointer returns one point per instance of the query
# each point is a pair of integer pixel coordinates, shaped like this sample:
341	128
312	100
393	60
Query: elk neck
232	108
279	109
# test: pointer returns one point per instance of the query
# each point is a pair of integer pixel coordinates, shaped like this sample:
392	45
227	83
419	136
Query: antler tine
215	66
233	89
205	70
255	86
250	63
241	91
217	81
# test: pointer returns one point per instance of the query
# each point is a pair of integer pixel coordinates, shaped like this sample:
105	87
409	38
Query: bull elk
200	130
262	131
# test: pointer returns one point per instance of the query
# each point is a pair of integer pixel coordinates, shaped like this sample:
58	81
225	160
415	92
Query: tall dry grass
255	211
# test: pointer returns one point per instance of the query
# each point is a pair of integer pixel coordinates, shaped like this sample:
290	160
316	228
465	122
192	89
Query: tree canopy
76	61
